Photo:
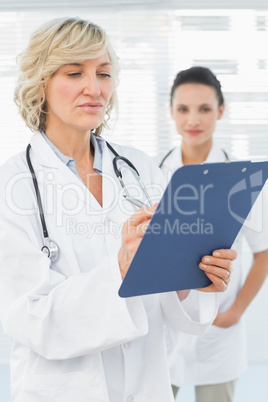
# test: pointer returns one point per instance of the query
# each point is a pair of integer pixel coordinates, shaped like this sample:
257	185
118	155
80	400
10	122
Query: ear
221	111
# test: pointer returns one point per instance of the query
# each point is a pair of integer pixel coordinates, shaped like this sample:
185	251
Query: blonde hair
61	41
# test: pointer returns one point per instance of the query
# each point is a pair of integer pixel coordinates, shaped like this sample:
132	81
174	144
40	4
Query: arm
251	287
54	315
198	309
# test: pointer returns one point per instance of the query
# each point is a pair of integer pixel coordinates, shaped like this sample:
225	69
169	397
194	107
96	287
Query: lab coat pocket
67	387
209	343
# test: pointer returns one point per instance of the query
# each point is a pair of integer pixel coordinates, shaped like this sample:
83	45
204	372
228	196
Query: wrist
123	261
236	313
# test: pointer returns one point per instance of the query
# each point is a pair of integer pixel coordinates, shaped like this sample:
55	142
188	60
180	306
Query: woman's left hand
218	268
227	319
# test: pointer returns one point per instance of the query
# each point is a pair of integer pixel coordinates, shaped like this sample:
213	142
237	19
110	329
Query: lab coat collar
215	154
46	155
43	152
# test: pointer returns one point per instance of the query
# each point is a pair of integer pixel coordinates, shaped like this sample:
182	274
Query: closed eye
76	74
105	75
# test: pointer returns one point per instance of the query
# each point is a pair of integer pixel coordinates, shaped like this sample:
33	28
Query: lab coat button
130	398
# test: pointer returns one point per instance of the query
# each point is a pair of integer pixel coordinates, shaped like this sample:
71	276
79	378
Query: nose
193	119
91	86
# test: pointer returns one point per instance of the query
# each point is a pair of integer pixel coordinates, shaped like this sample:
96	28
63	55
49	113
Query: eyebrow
80	64
202	104
105	64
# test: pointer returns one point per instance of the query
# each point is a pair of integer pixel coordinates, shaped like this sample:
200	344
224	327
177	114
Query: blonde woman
68	237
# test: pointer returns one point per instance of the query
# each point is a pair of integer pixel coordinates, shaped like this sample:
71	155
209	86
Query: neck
192	155
75	144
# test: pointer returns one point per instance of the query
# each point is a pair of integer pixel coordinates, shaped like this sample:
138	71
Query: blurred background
154	40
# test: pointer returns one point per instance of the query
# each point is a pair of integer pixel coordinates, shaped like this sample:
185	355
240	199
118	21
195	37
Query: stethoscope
50	247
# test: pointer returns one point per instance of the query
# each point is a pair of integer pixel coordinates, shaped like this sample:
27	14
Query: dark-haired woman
213	362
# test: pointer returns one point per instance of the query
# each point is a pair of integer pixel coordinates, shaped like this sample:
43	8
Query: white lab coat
221	354
74	338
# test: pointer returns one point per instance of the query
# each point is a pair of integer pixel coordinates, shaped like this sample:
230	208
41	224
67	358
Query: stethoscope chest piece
51	250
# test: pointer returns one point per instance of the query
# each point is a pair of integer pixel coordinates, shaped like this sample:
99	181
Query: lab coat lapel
110	184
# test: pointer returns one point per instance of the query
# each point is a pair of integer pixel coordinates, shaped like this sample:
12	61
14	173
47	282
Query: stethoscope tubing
37	192
50	248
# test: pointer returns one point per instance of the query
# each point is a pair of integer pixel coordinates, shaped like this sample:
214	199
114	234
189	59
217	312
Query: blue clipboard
202	209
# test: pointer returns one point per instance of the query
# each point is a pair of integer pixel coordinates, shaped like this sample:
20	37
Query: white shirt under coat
74	338
220	355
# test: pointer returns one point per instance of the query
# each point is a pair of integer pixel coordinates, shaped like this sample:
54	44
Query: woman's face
78	94
195	110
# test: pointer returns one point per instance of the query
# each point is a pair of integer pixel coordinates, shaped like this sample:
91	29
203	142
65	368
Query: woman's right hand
132	233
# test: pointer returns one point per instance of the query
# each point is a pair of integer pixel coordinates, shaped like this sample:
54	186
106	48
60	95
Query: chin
198	140
92	125
88	127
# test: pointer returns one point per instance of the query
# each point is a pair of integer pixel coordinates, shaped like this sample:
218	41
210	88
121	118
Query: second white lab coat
220	355
74	338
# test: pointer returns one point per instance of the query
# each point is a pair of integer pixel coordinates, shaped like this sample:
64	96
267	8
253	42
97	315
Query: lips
91	106
194	132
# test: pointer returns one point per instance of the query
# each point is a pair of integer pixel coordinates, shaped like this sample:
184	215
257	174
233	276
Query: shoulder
145	165
15	177
169	162
131	152
16	165
169	158
136	156
16	189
